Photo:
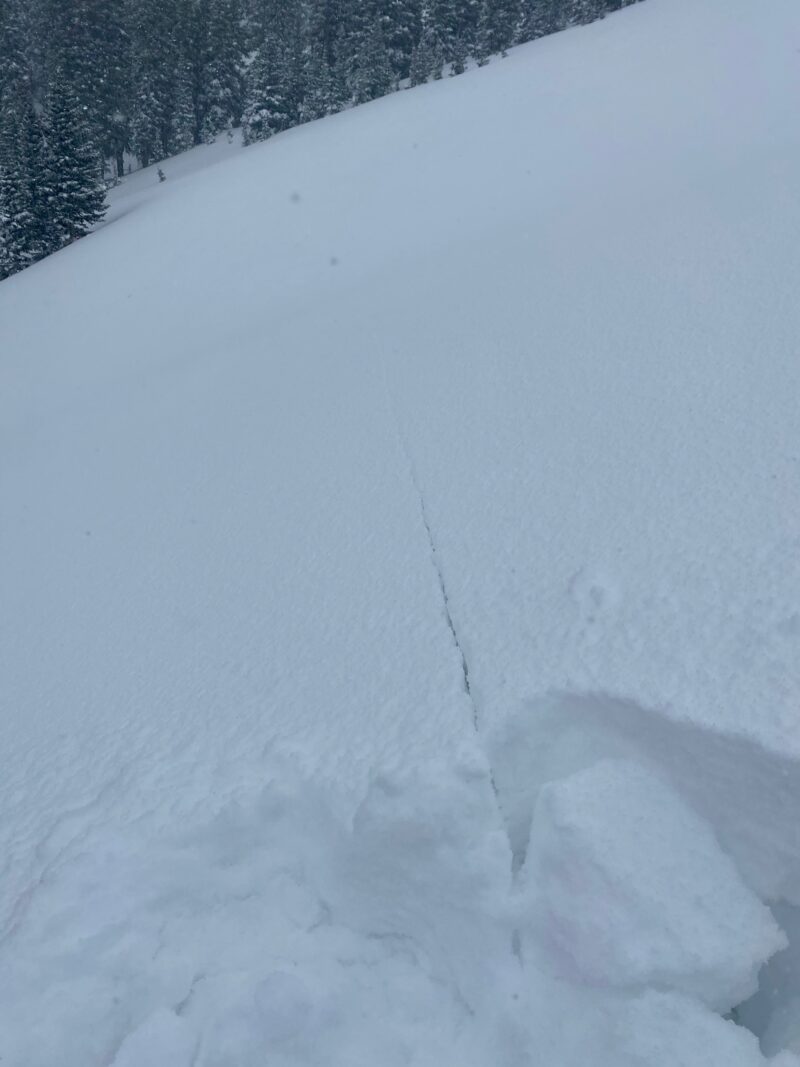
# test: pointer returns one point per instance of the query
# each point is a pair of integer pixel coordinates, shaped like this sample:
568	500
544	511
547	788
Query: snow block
629	887
668	1030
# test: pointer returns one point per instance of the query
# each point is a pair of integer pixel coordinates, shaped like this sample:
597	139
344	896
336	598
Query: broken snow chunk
669	1030
629	887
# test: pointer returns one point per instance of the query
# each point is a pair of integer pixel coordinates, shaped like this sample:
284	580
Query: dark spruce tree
15	67
498	23
426	59
581	12
28	227
318	98
372	74
483	49
212	41
163	120
77	193
19	131
440	17
459	58
401	23
13	222
222	94
454	24
16	217
268	106
275	79
89	47
539	18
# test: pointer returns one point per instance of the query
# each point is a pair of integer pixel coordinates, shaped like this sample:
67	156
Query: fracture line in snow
445	598
434	553
516	941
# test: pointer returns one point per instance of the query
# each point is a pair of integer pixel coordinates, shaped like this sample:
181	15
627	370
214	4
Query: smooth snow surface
400	579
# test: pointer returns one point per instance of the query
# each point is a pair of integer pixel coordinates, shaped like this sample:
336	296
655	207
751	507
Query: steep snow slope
400	538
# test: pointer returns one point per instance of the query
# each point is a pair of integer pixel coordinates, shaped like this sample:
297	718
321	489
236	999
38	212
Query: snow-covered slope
400	578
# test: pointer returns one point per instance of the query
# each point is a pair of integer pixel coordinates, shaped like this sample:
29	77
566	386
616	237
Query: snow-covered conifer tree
268	107
77	194
372	71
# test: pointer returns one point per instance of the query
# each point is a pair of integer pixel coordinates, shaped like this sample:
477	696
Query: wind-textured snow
400	579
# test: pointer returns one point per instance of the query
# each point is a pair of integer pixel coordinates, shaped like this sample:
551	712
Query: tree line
89	86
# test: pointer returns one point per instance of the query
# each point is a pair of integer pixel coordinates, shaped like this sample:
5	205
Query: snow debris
630	888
